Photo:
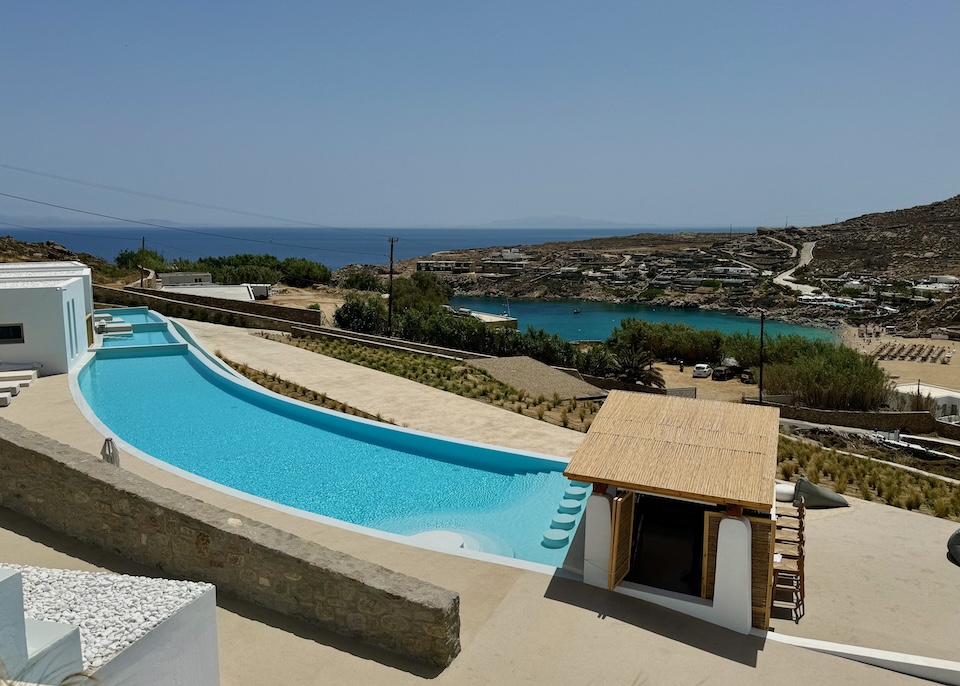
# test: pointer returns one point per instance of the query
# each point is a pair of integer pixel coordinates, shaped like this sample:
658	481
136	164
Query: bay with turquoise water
597	319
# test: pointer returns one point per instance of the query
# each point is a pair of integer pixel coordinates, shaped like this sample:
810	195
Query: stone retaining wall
254	307
175	308
908	422
82	496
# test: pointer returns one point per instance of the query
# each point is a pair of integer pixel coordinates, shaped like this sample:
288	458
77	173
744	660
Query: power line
179	201
193	231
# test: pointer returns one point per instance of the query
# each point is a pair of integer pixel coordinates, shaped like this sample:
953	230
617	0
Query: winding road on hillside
786	278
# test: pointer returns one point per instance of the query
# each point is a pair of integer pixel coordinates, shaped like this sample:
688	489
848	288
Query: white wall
74	322
40	310
47	271
731	605
181	651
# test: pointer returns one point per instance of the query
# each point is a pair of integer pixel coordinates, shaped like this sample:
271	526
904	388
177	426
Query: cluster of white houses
682	270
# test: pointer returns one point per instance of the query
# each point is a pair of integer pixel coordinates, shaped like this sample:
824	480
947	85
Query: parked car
747	377
723	373
702	371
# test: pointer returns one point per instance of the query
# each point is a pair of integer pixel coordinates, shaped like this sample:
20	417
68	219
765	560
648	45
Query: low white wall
13	640
181	651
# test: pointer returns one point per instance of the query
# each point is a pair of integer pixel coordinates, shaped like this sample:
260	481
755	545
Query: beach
903	371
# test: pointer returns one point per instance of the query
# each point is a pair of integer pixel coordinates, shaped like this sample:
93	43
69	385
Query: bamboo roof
704	450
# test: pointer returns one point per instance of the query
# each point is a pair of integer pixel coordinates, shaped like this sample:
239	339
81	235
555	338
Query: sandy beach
902	371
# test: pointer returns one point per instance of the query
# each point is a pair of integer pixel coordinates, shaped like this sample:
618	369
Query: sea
337	248
334	247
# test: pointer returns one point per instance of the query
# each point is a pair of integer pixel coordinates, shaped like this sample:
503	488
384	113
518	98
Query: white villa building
46	314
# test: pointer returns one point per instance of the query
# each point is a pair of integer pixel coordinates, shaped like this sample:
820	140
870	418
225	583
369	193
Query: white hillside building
46	314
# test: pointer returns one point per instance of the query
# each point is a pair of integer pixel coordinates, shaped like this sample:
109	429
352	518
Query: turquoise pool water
132	315
181	412
138	338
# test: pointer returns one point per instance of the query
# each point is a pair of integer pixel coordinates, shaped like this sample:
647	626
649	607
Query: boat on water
576	310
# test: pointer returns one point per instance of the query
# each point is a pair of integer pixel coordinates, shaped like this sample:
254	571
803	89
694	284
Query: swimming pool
138	338
174	406
133	315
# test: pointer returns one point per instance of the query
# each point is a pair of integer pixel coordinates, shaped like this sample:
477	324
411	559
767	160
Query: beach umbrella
109	452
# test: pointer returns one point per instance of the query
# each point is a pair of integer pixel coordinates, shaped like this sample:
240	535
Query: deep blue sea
596	320
333	247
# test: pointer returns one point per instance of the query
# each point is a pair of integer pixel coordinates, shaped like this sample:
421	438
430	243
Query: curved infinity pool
171	404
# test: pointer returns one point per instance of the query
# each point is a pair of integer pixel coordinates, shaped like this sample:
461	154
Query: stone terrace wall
82	496
176	308
908	422
254	307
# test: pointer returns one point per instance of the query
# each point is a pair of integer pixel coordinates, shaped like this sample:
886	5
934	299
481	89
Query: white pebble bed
112	610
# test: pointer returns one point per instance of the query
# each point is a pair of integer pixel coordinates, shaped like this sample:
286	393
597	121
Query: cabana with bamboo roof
682	504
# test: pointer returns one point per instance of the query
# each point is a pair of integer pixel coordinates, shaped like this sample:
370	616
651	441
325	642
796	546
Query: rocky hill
904	244
12	250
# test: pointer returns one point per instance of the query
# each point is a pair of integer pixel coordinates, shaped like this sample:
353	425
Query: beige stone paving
518	626
540	631
878	576
406	402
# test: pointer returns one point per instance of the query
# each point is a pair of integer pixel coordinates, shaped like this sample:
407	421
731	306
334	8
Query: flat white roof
11	285
24	274
42	266
926	389
211	291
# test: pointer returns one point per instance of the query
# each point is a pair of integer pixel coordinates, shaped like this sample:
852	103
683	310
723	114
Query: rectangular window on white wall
11	333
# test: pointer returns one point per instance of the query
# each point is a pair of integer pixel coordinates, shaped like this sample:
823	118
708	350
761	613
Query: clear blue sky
447	113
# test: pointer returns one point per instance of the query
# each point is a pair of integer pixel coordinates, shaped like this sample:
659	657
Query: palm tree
635	365
629	346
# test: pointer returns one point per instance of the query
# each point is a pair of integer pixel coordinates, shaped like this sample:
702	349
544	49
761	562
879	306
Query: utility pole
762	315
143	251
390	295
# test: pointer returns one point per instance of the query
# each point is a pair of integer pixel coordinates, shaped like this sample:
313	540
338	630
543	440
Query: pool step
568	514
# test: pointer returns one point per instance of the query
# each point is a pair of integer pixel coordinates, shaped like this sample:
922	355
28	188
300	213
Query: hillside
12	250
904	244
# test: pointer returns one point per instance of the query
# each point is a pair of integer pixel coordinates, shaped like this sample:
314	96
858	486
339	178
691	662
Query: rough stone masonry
81	496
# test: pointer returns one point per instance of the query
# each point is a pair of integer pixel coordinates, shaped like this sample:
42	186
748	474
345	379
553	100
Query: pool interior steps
33	651
568	514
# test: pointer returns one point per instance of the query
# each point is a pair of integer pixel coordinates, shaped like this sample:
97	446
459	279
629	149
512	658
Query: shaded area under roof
717	452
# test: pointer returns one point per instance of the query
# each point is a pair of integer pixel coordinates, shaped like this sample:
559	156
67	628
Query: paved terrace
897	591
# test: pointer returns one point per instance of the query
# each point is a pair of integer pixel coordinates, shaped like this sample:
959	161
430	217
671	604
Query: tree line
235	269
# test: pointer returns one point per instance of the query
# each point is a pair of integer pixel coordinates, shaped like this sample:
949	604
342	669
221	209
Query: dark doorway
668	544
